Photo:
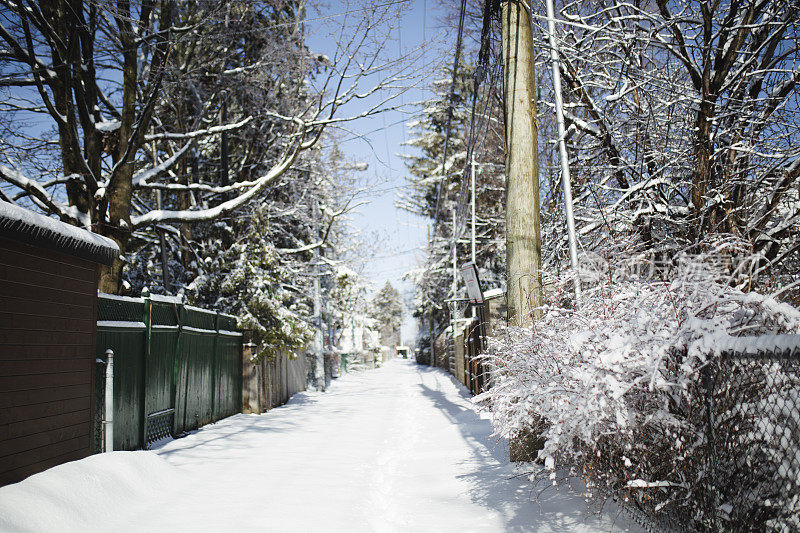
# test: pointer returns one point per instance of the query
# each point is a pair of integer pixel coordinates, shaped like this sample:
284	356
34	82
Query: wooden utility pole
523	240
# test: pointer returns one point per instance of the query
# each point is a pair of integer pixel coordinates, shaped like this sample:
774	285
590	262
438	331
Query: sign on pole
470	274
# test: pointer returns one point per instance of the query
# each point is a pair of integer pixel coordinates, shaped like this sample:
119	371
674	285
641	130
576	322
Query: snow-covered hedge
618	382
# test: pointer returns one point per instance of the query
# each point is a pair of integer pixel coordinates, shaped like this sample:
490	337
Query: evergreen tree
387	309
473	135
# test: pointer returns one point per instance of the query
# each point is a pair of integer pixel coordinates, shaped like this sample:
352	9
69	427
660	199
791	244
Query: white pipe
108	423
562	148
455	257
472	179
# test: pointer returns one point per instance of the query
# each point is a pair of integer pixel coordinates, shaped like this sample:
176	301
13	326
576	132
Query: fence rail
176	367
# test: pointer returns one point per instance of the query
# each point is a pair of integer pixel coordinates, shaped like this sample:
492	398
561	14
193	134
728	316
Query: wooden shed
48	315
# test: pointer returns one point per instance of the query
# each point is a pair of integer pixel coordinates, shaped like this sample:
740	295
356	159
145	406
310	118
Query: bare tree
684	120
137	93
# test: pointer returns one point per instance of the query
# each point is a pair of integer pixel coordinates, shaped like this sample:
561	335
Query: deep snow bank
86	495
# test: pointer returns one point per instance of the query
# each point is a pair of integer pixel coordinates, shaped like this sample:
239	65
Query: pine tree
387	309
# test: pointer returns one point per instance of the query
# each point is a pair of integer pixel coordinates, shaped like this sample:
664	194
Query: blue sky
397	236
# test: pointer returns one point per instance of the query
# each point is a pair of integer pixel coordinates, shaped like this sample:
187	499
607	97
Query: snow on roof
20	224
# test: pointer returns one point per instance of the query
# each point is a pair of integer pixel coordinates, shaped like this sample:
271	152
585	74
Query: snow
21	217
141	178
107	126
753	345
120	324
166	298
401	448
198	330
119	298
84	495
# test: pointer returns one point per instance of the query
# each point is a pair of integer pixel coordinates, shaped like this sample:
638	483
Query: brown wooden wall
48	315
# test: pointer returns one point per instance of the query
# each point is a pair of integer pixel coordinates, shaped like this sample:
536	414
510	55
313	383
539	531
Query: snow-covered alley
400	448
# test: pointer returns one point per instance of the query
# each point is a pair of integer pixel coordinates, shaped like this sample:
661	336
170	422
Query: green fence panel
160	369
128	346
200	346
228	375
174	370
181	378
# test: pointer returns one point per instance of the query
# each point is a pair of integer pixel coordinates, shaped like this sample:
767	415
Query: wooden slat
46	261
27	306
47	423
19	351
9	399
15	473
43	409
48	306
46	337
39	322
46	294
43	381
43	438
25	367
38	455
32	274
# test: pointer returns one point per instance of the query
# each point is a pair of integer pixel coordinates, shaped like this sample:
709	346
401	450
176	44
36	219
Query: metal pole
472	179
455	256
109	415
319	355
562	148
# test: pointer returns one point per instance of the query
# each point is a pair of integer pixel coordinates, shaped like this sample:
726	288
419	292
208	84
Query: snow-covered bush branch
106	109
617	383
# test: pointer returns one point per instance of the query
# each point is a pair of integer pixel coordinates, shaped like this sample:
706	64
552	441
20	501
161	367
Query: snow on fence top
20	224
759	345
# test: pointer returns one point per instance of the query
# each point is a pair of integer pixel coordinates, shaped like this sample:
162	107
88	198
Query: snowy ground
400	448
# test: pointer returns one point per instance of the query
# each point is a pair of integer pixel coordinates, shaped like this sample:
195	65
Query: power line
450	111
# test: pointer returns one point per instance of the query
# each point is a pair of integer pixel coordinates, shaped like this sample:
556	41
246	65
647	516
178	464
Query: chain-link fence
754	429
725	453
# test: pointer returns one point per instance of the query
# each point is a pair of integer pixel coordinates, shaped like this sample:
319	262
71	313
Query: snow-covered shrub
619	381
248	278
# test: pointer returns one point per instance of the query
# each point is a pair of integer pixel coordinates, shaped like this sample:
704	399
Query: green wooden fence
176	367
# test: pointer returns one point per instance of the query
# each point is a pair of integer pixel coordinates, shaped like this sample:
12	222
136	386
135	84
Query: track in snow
400	448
